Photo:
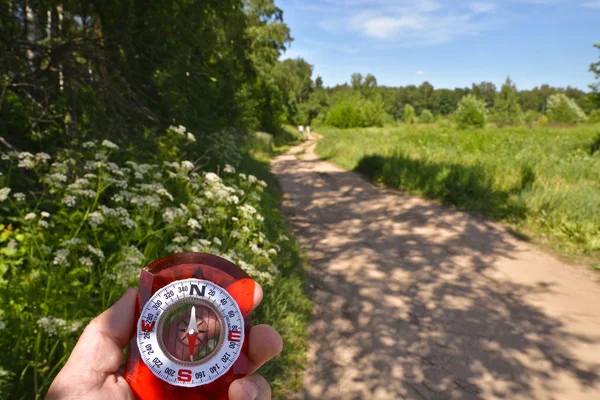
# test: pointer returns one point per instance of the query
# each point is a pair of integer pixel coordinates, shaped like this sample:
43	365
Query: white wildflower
19	197
26	160
273	252
205	242
86	261
30	216
229	169
75	326
212	177
88	145
4	192
180	238
187	165
192	223
243	176
71	242
235	219
128	223
43	224
95	219
252	179
217	241
52	325
45	214
191	137
70	201
259	218
99	253
43	157
60	257
235	234
109	145
246	211
233	200
165	193
262	183
245	229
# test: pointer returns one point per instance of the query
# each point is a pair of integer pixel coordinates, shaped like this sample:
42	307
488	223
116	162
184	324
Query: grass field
543	181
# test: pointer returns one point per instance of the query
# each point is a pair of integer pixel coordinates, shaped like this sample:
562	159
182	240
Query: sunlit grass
544	181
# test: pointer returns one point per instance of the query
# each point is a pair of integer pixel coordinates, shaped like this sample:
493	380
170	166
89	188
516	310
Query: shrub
530	117
76	226
563	109
426	117
346	114
594	116
543	121
471	112
409	116
373	112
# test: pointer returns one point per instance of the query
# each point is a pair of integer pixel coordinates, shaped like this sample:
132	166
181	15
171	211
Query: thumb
251	387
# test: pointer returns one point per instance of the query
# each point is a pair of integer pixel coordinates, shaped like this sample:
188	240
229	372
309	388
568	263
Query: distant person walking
301	130
308	132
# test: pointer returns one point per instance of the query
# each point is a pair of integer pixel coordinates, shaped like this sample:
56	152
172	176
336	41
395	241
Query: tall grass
545	181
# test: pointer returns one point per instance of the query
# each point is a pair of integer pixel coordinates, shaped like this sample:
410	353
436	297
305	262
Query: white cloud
411	22
419	73
483	7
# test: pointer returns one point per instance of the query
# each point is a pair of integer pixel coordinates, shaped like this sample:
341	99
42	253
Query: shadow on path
414	300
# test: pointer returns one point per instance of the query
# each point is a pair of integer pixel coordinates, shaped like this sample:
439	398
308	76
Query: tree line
362	102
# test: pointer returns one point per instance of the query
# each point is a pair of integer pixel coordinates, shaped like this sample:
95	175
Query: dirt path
417	301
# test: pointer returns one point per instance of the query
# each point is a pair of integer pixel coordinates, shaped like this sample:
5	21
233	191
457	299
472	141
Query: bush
409	116
530	117
346	114
563	109
76	226
594	116
426	117
471	112
373	112
543	121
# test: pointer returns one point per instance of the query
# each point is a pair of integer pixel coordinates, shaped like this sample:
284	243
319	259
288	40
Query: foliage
76	227
543	121
561	108
346	114
531	117
594	116
426	117
547	188
409	116
595	69
373	112
507	110
471	112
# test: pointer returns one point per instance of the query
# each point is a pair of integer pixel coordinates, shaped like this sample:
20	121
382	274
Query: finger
251	387
265	343
258	295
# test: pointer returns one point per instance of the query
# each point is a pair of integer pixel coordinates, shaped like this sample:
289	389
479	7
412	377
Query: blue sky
449	43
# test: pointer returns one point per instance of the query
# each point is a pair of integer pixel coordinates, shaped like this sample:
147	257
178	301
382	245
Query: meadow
543	181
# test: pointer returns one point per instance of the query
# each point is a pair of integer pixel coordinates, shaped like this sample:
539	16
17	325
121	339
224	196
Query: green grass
543	181
286	307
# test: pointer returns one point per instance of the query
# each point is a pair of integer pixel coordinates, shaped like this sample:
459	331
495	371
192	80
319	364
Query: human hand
92	371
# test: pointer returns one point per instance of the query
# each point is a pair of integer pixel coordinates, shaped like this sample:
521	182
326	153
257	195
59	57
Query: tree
485	91
319	83
506	105
356	81
595	68
409	116
471	112
563	109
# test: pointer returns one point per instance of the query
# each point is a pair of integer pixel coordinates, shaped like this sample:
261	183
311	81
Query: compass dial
190	332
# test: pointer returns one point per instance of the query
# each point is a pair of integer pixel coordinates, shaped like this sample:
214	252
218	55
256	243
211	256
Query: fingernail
251	389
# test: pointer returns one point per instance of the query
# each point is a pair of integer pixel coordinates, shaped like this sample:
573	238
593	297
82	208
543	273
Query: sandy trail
417	301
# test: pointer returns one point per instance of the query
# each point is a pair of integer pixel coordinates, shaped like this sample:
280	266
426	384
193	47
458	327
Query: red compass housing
193	316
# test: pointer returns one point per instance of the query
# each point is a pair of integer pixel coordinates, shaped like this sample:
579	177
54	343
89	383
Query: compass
193	318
